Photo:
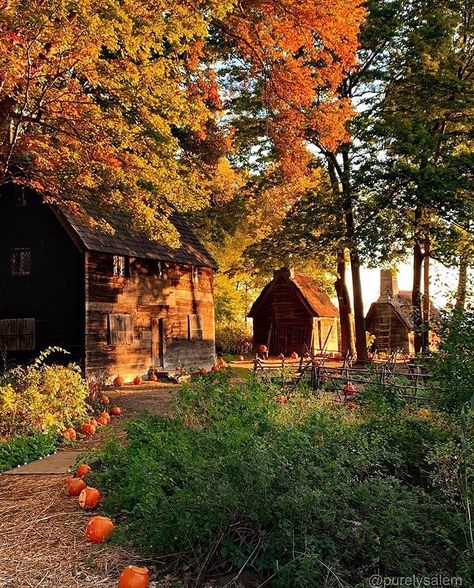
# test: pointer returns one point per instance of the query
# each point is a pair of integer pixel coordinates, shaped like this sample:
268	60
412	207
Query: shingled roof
124	242
315	298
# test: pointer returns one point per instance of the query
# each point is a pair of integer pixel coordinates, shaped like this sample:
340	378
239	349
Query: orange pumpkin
215	368
220	362
115	410
98	529
118	381
104	399
93	421
104	414
137	380
350	405
282	399
153	378
89	498
134	577
294	355
262	349
281	356
349	389
87	429
82	469
69	434
424	413
202	372
74	486
102	421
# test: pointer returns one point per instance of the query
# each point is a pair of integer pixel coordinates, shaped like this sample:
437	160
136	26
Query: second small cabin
293	313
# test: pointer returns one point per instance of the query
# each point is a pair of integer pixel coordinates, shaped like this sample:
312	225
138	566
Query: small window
194	327
21	262
159	270
120	329
195	273
20	198
120	266
17	334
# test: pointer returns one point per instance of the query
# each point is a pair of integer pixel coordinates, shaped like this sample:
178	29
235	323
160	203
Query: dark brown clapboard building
390	317
293	313
118	302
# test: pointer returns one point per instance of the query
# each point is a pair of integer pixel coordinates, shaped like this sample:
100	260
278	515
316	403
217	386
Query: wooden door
157	342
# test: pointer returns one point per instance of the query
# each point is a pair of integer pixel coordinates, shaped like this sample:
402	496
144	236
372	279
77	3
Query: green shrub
25	449
296	491
40	398
234	339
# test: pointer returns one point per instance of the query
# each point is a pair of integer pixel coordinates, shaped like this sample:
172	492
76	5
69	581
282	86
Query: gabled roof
403	307
312	295
124	242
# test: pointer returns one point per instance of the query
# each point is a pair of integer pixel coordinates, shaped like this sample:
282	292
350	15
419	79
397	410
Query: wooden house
390	318
293	313
118	302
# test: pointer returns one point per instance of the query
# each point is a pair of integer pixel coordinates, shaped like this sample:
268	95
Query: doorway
157	342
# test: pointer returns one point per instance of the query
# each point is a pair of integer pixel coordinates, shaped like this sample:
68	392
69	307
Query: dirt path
42	541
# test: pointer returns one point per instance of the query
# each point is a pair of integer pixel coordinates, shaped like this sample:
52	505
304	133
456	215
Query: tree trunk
359	315
461	289
347	333
425	334
416	290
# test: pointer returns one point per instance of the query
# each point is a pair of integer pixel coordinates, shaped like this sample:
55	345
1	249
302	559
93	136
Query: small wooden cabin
118	302
293	313
390	318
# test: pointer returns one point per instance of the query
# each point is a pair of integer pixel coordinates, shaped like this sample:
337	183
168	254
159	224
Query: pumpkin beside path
42	539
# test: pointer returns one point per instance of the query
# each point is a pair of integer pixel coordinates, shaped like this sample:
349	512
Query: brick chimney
388	283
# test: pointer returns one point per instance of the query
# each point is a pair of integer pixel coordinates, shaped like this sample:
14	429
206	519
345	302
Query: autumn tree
105	104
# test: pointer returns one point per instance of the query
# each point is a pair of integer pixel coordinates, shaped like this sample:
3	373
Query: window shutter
120	329
17	334
194	327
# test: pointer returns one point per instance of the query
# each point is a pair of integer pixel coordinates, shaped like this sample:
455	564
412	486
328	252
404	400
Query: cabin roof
124	242
311	293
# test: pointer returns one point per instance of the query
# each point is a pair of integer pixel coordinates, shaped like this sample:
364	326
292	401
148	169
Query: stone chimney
286	271
388	283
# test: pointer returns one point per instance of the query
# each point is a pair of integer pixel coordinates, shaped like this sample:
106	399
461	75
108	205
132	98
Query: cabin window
21	262
159	270
120	266
120	329
195	273
194	327
17	334
20	198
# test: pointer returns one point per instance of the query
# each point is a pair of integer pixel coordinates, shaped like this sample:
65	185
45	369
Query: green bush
40	398
452	366
305	493
25	449
233	339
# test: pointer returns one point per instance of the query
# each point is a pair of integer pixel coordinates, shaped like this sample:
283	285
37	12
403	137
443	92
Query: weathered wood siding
148	298
391	334
53	294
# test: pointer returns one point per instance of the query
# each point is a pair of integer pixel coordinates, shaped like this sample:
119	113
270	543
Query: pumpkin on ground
98	529
215	368
89	498
118	381
88	429
104	414
220	362
115	410
74	486
153	378
82	469
262	349
102	421
350	405
294	355
282	399
202	371
104	399
93	421
134	577
69	434
281	356
349	389
137	380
